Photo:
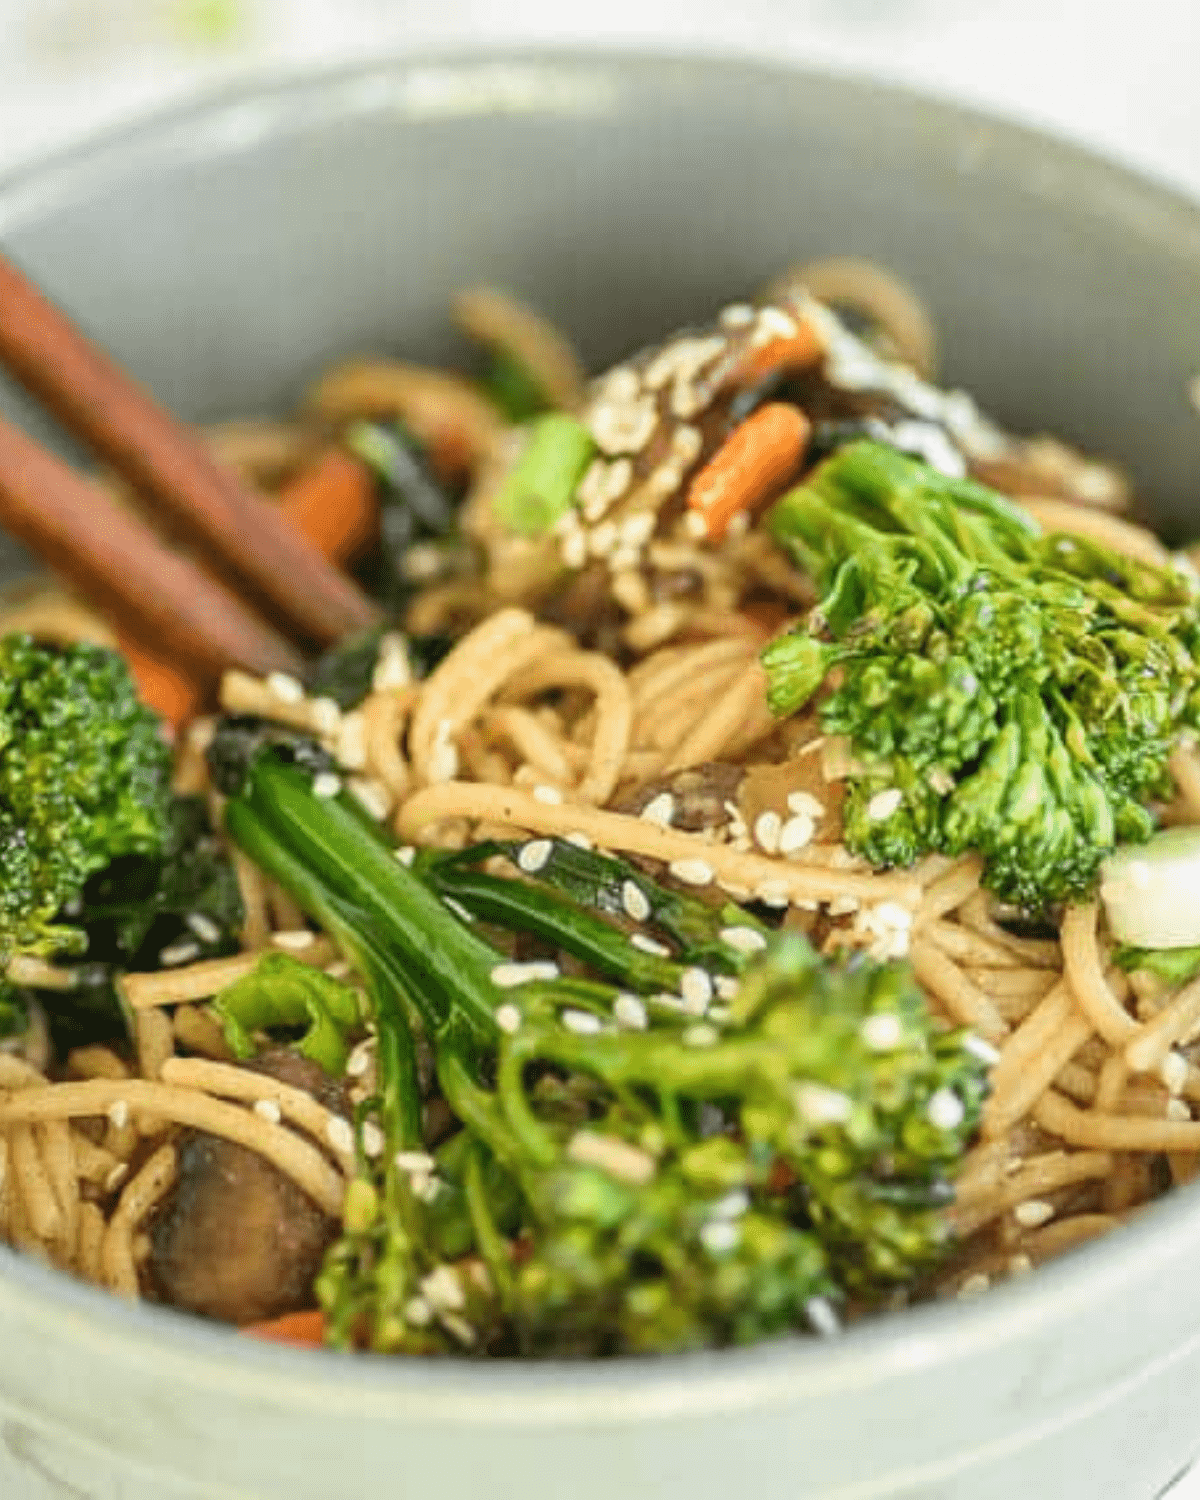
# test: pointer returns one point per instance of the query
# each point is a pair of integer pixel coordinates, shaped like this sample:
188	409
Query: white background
1120	75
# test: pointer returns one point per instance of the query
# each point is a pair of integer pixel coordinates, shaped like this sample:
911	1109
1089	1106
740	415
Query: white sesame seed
796	834
819	1105
459	1327
981	1048
118	1113
727	986
691	871
660	810
1033	1213
579	839
372	795
339	1135
550	795
507	975
945	1110
295	939
535	855
822	1317
1019	1265
405	854
425	1186
116	1177
842	906
442	1289
701	1035
508	1018
268	1109
767	827
941	781
338	969
204	927
732	1206
325	715
1177	1109
373	1139
326	785
418	1312
695	524
720	1236
1174	1071
630	1013
804	804
285	687
696	989
775	323
884	804
635	901
179	953
744	939
773	893
620	1159
647	944
414	1161
882	1032
582	1022
358	1064
737	315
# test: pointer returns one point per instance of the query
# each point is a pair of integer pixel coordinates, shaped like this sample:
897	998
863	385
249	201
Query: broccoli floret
84	779
717	1147
1004	691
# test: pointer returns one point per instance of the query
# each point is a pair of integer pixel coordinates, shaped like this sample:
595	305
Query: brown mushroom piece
236	1240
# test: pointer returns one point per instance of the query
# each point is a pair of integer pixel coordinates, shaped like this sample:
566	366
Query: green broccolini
717	1145
84	780
1003	691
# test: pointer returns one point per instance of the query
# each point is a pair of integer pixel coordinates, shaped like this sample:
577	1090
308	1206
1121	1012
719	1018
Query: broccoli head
84	779
1004	691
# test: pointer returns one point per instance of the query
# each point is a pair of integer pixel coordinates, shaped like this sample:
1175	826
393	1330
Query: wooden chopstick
238	534
116	561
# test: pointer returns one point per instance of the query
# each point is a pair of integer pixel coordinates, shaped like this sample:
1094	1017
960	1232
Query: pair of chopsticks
207	613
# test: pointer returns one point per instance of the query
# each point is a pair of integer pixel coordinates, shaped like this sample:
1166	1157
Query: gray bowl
225	252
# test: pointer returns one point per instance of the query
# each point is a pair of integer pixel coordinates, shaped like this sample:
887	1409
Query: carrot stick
333	504
751	467
798	351
303	1330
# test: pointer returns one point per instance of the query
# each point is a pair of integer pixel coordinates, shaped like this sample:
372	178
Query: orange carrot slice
751	467
303	1330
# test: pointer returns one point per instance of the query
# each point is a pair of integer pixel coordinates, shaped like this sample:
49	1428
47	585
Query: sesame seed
372	795
285	687
945	1110
804	804
696	989
550	795
775	323
647	944
727	986
508	1018
579	839
535	855
116	1177
178	953
294	938
359	1062
981	1049
118	1113
1033	1213
1177	1109
884	804
660	810
425	1186
405	854
326	785
630	1012
736	315
582	1022
691	871
325	715
720	1236
459	1327
339	1135
701	1035
414	1161
772	893
418	1312
882	1033
635	901
373	1139
696	525
268	1109
822	1317
442	1289
744	939
1019	1265
842	906
619	1159
819	1105
796	834
507	975
1174	1071
767	827
732	1206
204	927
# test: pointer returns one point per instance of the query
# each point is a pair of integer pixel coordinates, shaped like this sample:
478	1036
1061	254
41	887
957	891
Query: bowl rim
513	1392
